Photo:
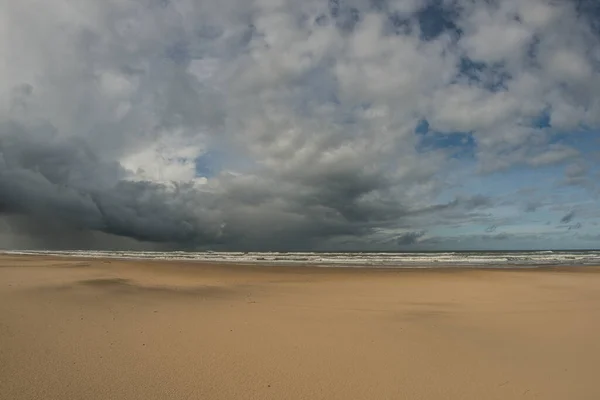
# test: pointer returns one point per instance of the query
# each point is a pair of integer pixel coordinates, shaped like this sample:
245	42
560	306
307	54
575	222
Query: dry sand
107	329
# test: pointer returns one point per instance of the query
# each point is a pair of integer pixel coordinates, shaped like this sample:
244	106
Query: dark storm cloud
67	183
57	180
30	232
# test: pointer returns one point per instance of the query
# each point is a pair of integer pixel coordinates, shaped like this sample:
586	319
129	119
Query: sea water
489	259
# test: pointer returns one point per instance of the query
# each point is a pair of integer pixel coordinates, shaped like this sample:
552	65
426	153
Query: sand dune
107	329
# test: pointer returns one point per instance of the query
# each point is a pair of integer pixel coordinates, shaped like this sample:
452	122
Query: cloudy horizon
312	125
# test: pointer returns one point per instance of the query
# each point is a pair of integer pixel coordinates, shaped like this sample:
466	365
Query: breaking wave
354	259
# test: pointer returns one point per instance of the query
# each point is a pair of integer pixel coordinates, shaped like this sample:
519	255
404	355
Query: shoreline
278	265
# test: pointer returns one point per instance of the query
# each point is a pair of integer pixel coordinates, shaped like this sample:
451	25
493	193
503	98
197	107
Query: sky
300	125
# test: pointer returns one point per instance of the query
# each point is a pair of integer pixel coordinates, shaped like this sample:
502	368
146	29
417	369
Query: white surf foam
345	259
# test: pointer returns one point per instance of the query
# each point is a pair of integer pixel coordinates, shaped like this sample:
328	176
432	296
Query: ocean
475	259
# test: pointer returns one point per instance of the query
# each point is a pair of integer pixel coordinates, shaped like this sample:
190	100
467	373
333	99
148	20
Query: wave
352	259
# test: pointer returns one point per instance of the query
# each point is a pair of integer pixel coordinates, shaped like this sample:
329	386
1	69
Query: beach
76	328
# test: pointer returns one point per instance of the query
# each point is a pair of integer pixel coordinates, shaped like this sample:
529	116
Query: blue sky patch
460	145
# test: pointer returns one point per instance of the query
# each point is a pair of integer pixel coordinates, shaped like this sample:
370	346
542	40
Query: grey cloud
532	206
478	201
65	182
466	203
589	237
576	170
491	228
576	174
568	217
553	156
525	241
498	236
26	232
409	238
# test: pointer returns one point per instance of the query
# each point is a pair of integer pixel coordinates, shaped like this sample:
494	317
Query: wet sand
115	329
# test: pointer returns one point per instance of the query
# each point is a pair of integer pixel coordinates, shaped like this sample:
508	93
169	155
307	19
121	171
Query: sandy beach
115	329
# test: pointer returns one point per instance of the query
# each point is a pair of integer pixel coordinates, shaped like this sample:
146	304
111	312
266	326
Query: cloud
576	170
491	228
590	237
532	206
24	232
409	238
568	217
577	174
498	236
280	124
